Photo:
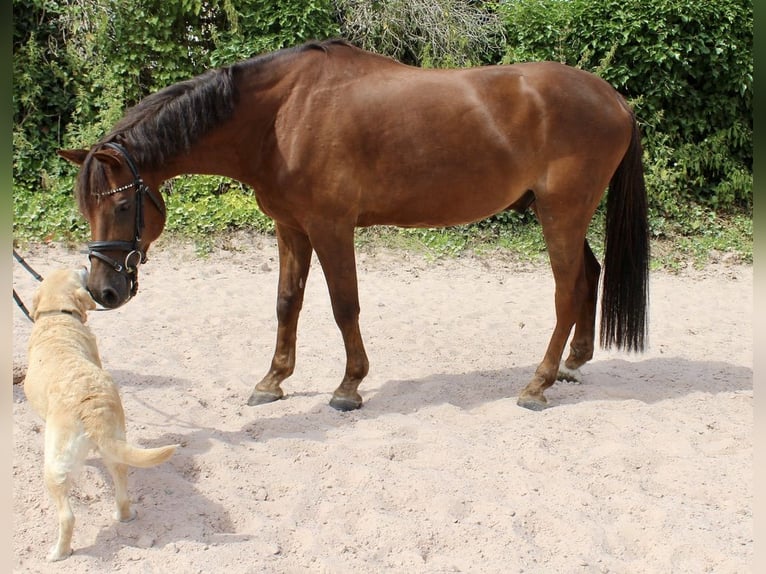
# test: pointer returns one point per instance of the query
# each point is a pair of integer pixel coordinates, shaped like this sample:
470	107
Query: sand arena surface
644	467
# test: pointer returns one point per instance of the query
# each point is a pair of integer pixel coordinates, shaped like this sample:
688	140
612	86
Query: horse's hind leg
294	260
564	238
581	347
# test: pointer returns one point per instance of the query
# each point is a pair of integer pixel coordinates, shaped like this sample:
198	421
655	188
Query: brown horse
331	138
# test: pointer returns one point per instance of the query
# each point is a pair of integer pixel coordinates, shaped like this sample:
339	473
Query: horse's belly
439	207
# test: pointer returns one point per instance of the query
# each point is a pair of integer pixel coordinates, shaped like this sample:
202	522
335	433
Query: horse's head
125	215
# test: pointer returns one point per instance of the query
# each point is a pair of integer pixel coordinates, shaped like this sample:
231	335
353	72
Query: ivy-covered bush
428	33
685	66
78	65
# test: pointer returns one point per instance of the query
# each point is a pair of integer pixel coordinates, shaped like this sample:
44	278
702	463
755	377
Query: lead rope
34	274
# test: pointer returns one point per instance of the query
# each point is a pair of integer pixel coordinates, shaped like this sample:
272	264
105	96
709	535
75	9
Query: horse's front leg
294	261
335	249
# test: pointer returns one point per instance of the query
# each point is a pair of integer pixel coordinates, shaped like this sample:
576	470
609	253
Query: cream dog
79	401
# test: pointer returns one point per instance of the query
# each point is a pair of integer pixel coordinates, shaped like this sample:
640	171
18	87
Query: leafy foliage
258	26
42	96
78	64
198	206
685	66
431	33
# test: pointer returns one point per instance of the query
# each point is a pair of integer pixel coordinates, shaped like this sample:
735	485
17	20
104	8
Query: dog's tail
122	452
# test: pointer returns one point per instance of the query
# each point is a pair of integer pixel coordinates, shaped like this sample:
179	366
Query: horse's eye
123	206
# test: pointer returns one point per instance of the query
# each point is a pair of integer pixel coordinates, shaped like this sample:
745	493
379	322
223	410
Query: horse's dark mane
322	46
168	122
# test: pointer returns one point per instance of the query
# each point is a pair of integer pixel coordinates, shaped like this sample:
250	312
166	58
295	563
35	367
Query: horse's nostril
109	297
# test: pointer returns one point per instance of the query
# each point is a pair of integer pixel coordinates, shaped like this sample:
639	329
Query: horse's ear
108	156
76	156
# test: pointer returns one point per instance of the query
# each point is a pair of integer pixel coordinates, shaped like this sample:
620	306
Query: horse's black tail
625	290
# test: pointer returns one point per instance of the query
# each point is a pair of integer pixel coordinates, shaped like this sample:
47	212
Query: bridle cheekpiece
135	255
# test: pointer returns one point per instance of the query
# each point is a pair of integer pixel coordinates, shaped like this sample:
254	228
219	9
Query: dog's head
64	290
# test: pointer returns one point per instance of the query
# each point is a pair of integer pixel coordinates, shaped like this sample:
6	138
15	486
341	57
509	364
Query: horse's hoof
532	404
345	404
262	398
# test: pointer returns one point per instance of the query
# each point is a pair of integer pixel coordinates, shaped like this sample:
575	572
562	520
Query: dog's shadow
172	510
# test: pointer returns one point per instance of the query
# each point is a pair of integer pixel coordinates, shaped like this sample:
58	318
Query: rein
40	278
34	274
135	256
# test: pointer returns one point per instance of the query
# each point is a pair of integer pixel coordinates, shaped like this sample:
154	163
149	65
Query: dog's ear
35	303
84	302
83	273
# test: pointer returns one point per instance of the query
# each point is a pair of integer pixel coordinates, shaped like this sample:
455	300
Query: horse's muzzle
114	279
109	288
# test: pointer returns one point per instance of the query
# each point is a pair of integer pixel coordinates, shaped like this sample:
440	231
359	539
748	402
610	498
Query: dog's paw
127	516
57	554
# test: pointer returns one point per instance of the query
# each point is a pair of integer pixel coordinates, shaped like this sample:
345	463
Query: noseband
135	256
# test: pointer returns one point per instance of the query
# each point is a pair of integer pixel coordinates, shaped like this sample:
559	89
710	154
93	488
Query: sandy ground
645	467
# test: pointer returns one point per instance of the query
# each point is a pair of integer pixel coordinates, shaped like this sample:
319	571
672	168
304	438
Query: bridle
135	256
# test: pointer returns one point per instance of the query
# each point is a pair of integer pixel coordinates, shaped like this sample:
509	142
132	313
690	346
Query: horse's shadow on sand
647	381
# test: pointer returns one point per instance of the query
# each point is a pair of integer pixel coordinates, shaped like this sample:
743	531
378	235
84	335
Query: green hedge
78	66
687	68
685	65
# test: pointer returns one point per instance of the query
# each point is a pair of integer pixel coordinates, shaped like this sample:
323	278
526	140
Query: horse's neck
231	149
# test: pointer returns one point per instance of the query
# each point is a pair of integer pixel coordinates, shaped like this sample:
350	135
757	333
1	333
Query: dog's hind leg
119	472
62	459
